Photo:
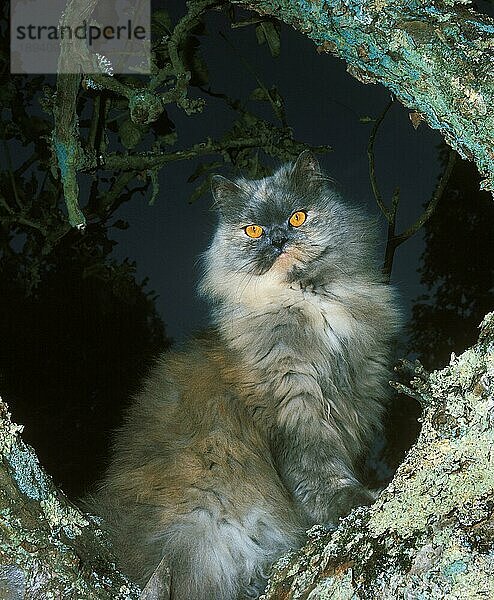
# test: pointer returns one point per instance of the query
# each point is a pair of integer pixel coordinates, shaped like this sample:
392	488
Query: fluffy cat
254	432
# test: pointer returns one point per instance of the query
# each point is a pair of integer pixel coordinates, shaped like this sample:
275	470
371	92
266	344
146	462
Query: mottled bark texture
437	58
431	532
65	140
48	548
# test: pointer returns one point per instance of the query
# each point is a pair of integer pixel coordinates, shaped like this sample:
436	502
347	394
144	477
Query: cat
254	431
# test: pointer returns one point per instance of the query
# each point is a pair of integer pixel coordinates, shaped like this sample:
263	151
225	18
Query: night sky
323	106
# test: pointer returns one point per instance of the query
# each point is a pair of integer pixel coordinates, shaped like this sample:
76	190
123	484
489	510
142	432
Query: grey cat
254	432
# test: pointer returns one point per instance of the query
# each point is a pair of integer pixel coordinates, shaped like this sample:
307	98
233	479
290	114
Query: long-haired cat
254	432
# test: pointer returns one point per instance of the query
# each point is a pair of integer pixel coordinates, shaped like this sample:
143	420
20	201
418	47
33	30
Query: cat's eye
254	231
298	218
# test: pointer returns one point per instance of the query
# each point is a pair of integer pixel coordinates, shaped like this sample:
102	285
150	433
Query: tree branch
48	548
413	49
431	206
179	93
151	160
65	136
371	160
394	240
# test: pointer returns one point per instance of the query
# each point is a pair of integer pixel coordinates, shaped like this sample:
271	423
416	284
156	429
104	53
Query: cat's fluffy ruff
254	432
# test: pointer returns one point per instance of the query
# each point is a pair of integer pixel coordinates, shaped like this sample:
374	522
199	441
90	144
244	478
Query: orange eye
298	218
254	231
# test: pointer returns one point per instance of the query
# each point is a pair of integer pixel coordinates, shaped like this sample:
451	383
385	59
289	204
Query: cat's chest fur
292	315
293	339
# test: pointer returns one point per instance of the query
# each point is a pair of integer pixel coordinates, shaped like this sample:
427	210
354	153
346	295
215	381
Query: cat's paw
348	497
376	492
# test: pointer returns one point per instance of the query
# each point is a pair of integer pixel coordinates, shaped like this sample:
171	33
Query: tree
412	49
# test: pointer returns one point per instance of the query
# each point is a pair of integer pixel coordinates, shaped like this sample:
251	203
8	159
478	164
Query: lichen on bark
48	548
437	58
430	534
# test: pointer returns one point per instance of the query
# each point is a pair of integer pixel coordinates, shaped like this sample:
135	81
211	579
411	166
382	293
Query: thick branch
436	58
65	137
179	93
48	548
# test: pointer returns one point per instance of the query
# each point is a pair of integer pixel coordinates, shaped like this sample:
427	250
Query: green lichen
26	471
63	517
8	431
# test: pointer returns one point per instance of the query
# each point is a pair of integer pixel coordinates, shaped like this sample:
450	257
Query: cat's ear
306	168
223	190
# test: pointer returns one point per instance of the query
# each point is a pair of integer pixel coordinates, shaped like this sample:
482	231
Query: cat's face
270	232
289	225
273	223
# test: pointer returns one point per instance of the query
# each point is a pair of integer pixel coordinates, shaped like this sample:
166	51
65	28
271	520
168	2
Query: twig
421	398
372	172
431	207
394	240
151	160
117	188
390	237
419	381
412	369
26	164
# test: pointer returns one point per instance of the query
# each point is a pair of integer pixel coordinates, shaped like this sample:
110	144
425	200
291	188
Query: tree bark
431	532
48	548
437	58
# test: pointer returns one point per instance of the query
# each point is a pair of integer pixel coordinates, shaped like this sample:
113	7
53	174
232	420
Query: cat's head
291	226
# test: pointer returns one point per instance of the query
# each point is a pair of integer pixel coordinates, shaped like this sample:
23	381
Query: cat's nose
278	240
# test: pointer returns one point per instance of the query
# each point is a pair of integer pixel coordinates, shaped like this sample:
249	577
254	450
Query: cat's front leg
318	476
327	499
